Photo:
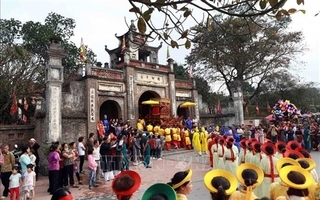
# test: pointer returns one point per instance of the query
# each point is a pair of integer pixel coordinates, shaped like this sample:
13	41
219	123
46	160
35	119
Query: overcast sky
99	21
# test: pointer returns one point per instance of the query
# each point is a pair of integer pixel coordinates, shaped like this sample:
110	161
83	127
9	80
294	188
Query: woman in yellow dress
196	141
204	140
220	183
298	181
249	176
181	183
279	189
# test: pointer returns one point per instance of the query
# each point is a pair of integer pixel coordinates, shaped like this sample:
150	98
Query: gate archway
144	110
110	108
182	112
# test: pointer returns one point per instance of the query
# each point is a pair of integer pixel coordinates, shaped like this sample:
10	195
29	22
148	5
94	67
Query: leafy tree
176	13
23	64
36	37
180	72
251	54
201	84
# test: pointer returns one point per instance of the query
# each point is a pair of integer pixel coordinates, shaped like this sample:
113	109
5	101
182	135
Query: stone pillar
238	105
195	99
172	88
54	80
130	97
170	64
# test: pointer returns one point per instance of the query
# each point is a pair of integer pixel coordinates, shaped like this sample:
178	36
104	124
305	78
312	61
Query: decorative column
195	100
54	80
172	88
238	105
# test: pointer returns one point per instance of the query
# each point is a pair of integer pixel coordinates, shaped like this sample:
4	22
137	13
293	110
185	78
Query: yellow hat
286	162
186	179
289	180
246	167
307	163
223	174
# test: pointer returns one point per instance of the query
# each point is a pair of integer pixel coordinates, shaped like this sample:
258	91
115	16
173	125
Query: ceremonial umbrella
188	104
150	102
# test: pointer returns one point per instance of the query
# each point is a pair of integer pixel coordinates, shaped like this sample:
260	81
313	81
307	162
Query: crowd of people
22	171
248	162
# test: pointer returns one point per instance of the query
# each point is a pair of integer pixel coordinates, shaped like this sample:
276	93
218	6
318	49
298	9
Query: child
92	164
29	181
73	147
32	158
14	184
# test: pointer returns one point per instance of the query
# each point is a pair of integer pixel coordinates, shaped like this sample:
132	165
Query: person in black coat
105	164
35	146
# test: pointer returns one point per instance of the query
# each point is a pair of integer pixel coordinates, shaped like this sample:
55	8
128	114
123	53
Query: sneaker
159	158
3	197
96	186
90	188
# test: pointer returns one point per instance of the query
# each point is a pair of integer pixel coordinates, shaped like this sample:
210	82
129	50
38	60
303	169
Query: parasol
150	102
188	104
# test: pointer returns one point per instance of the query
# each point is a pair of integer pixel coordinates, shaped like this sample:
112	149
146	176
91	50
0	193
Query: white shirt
14	180
96	153
28	179
33	159
81	149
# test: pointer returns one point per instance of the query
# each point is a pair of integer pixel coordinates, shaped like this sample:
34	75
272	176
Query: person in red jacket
210	143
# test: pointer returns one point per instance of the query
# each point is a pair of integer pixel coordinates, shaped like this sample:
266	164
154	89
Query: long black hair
60	193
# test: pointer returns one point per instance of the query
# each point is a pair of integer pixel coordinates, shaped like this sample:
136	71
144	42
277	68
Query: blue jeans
274	138
158	153
92	175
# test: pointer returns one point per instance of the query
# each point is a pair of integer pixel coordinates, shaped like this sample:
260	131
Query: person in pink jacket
92	164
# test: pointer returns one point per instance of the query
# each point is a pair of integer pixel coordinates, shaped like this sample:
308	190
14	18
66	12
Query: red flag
219	109
83	54
257	110
190	71
14	106
268	108
123	45
247	110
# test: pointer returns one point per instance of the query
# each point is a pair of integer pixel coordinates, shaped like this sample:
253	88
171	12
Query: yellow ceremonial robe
196	141
161	132
241	195
181	197
187	137
277	189
150	128
167	132
139	126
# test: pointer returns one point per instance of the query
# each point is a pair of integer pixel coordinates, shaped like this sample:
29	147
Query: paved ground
161	171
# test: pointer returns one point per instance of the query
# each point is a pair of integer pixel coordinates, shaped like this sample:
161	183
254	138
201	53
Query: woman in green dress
146	150
306	138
